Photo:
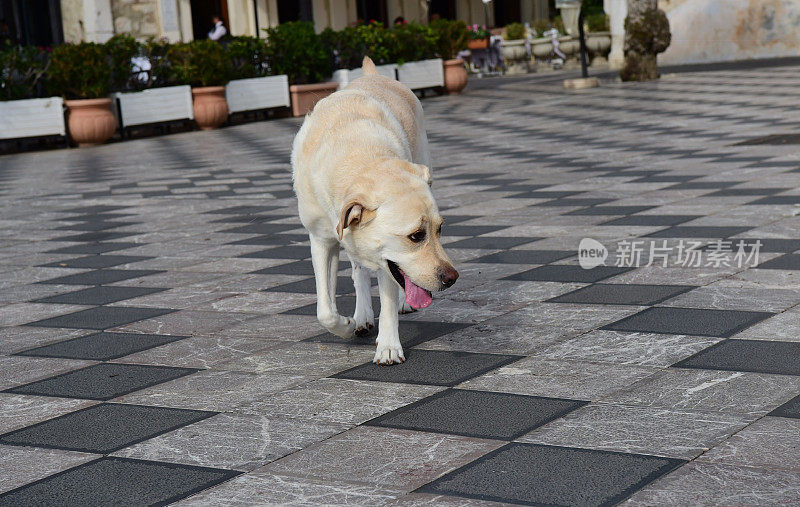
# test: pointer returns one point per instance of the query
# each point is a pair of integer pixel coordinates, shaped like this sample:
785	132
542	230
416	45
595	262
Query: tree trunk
637	7
639	67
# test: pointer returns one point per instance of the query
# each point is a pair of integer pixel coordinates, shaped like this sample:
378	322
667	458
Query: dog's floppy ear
353	213
419	170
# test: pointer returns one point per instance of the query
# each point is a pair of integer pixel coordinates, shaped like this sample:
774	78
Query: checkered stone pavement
158	341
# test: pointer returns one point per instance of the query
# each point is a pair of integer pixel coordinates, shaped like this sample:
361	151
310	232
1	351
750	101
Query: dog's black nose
447	276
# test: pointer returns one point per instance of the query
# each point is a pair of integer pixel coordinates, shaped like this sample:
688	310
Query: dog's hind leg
389	350
325	258
364	316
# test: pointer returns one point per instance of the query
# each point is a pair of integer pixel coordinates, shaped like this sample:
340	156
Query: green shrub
452	36
199	63
121	49
79	71
22	71
350	45
248	57
160	73
514	31
296	50
597	22
412	42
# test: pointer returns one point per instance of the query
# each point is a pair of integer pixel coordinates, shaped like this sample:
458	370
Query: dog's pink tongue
416	296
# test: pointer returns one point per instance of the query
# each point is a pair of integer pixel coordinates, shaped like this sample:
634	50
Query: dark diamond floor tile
412	332
698	232
93	248
745	191
240	210
622	294
93	225
691	185
101	276
299	268
281	252
250	219
525	256
97	261
95	210
574	202
610	210
775	245
568	273
96	236
543	194
275	239
455	219
548	475
477	414
263	228
651	220
99	295
118	481
93	217
345	304
789	409
691	321
788	261
431	367
102	317
102	381
344	285
666	178
782	358
470	230
101	346
103	428
490	242
788	200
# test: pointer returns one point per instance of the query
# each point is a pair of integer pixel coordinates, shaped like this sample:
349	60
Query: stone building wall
723	30
137	17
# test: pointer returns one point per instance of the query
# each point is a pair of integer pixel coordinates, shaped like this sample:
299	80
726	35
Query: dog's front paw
365	321
343	327
389	354
363	329
406	308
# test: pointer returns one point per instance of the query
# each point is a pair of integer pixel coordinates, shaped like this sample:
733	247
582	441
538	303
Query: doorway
203	11
506	12
373	10
31	22
444	9
294	10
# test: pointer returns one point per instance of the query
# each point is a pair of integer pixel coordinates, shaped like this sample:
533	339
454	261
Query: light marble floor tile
15	339
711	391
312	359
199	351
18	370
268	489
712	484
641	430
782	327
233	441
397	459
735	298
772	442
559	379
21	465
339	400
19	410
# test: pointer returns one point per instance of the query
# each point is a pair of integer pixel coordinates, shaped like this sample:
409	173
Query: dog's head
394	225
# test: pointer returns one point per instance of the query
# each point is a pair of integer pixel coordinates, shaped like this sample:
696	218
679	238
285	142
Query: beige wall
721	30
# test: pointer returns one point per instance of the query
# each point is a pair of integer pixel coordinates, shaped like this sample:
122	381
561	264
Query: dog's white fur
361	174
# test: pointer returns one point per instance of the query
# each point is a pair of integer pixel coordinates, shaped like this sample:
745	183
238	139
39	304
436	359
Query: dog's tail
368	66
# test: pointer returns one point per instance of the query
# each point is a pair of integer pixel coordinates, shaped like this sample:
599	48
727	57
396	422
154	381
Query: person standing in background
219	30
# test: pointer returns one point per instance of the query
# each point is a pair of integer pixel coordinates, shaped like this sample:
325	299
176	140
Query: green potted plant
205	66
82	75
598	38
515	54
451	38
22	74
296	50
478	37
251	87
349	46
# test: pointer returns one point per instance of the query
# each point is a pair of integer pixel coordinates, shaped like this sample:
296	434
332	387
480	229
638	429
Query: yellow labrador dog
360	168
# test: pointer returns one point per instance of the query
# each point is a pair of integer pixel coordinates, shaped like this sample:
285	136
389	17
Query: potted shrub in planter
516	54
296	50
478	37
451	38
251	87
598	39
415	52
140	75
81	74
349	46
204	65
22	71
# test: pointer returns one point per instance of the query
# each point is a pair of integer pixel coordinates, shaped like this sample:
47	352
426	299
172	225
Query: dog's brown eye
417	236
439	230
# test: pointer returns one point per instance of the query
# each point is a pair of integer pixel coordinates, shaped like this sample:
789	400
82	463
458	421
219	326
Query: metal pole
255	14
582	37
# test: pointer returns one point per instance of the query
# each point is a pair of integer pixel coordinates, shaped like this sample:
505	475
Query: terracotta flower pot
455	75
210	106
478	44
305	97
90	121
